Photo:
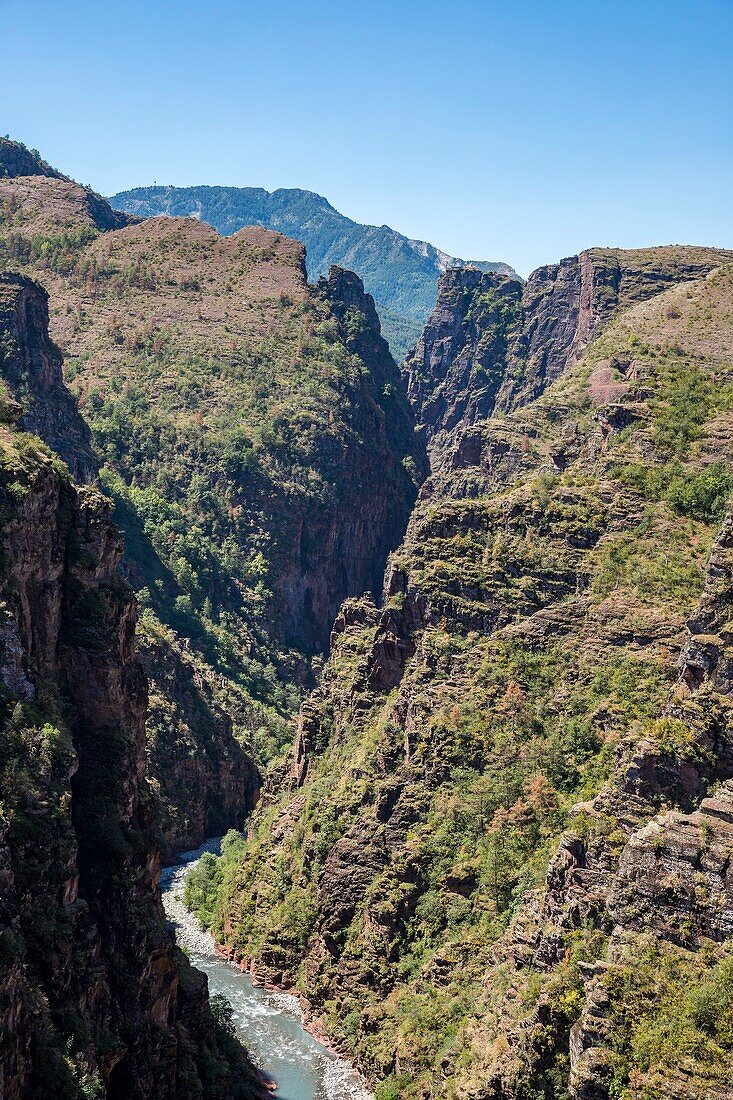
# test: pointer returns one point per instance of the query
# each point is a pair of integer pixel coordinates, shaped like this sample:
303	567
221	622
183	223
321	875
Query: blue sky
520	131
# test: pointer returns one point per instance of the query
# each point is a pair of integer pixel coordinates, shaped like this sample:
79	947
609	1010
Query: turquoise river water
269	1023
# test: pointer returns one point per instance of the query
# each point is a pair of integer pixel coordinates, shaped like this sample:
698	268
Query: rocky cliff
94	997
206	781
493	342
31	370
212	358
257	442
204	776
17	160
473	801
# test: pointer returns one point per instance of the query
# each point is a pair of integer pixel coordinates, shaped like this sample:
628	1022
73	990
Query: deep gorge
446	646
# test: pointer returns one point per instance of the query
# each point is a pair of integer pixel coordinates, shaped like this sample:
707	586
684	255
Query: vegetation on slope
401	274
535	615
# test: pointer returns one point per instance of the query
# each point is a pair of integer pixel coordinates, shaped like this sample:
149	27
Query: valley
441	649
268	1021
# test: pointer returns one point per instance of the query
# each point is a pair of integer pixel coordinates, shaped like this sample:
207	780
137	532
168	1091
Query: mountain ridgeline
447	647
401	274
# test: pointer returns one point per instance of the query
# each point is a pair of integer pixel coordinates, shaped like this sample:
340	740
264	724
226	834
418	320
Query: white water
270	1024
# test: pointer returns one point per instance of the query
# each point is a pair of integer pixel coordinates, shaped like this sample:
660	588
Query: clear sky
519	130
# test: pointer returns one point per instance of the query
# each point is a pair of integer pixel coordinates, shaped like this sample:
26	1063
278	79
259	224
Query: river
270	1024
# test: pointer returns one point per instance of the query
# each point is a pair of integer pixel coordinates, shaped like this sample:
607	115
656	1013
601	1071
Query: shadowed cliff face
204	778
93	994
341	549
493	342
31	369
472	803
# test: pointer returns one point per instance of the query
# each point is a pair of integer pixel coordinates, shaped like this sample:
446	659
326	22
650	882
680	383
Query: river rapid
269	1023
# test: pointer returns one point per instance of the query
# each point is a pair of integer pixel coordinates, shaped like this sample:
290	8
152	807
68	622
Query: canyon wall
519	683
94	994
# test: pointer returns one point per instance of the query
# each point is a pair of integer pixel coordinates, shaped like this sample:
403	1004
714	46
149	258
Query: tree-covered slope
401	274
466	867
254	435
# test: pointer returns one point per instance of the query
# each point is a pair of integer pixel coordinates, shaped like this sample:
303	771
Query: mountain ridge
400	272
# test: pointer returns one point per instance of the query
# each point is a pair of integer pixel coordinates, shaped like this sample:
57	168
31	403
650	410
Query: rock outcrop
31	369
17	160
493	342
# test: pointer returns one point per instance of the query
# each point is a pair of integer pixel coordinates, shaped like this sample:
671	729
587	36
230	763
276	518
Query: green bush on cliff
670	1010
701	494
200	891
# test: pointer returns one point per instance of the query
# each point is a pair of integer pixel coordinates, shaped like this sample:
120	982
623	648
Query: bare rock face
205	781
493	342
675	876
31	367
341	549
456	371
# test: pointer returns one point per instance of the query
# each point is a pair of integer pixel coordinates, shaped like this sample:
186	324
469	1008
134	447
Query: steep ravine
269	1021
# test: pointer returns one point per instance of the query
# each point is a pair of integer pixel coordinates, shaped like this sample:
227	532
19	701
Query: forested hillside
498	866
256	440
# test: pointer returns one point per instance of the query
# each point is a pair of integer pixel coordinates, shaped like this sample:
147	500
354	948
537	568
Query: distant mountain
400	273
